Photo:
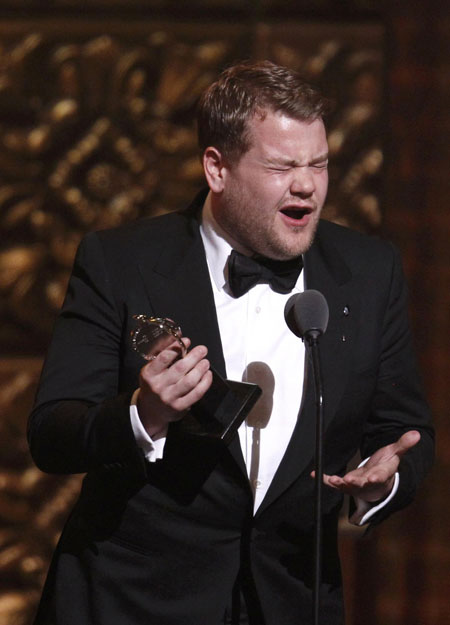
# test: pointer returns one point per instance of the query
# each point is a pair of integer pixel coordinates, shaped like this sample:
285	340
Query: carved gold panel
96	128
33	505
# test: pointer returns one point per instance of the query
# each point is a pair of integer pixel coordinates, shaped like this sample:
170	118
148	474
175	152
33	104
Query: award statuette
224	406
153	334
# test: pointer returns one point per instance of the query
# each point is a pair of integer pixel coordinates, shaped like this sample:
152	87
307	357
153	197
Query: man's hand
170	385
374	480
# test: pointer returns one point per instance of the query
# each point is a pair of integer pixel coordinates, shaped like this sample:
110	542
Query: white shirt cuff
153	450
364	511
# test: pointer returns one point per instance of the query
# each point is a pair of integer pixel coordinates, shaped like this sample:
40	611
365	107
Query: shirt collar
218	245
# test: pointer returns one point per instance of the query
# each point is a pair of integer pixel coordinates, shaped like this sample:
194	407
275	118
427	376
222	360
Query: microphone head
307	313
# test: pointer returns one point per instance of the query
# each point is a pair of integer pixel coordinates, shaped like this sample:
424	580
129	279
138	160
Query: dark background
96	128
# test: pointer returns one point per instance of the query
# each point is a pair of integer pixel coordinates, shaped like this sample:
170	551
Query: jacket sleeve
79	421
398	403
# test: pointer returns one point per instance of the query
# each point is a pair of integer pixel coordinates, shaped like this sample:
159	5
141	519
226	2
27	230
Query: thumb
405	442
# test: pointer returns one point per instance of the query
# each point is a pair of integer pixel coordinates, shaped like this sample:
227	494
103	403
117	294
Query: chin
278	246
304	242
298	248
285	254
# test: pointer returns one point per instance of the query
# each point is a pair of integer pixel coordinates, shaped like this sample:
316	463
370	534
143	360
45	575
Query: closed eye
280	169
322	165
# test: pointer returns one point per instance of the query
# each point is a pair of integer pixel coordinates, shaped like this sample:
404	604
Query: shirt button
256	483
258	309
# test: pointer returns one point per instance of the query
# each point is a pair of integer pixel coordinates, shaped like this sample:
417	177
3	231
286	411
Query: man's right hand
170	385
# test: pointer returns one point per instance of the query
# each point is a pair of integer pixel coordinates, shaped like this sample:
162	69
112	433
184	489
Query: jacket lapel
178	286
326	272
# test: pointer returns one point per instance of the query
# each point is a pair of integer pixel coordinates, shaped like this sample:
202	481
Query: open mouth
295	213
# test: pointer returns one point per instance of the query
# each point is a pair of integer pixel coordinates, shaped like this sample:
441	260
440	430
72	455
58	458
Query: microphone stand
312	342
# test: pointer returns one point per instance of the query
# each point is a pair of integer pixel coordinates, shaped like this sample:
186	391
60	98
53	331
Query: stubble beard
238	220
281	249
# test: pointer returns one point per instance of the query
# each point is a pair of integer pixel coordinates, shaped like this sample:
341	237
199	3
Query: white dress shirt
258	347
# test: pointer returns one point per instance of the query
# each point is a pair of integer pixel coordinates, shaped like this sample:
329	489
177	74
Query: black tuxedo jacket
165	542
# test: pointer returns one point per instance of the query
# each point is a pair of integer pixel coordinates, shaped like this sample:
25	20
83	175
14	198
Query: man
195	533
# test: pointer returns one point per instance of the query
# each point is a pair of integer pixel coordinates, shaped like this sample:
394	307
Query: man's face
272	197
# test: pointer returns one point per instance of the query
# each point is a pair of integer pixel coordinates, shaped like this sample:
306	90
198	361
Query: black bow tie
244	272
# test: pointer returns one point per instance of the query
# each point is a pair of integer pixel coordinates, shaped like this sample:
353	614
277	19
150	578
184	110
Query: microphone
307	314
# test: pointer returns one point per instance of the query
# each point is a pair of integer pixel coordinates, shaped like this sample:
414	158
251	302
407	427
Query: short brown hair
245	90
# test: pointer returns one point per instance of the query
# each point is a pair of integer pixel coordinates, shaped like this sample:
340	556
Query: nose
302	183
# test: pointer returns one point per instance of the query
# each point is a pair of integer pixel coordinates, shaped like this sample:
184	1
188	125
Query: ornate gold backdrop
96	128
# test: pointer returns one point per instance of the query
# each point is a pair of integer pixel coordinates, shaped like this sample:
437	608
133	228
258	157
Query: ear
215	169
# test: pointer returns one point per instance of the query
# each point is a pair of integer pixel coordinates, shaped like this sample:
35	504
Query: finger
355	479
335	481
362	477
342	485
187	382
186	342
184	366
163	359
170	358
195	394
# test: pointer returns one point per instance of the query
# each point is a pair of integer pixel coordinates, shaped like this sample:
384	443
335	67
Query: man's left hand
374	480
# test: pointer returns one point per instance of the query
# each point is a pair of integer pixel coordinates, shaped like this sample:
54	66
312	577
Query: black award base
222	409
